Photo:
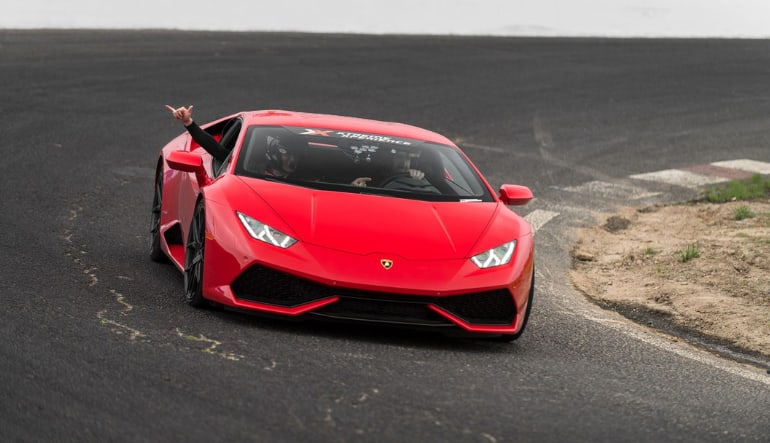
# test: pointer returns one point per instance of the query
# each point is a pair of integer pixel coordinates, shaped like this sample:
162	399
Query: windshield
359	162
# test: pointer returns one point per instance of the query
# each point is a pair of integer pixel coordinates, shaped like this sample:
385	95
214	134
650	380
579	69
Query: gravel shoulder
637	263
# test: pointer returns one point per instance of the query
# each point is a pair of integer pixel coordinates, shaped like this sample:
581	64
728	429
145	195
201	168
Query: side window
230	134
220	169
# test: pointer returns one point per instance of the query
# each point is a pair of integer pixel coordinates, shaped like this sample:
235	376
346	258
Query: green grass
689	254
650	251
743	213
753	188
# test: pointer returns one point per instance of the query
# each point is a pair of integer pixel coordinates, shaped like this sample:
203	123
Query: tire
153	239
511	337
193	258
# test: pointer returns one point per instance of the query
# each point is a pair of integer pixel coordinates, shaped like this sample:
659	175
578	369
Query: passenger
203	138
281	160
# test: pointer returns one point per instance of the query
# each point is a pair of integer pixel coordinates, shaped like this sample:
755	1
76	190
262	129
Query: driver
404	177
402	164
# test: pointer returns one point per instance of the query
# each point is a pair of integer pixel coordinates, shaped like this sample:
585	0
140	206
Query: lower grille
491	307
265	285
383	310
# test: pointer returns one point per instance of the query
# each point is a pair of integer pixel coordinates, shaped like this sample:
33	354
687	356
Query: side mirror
186	161
515	195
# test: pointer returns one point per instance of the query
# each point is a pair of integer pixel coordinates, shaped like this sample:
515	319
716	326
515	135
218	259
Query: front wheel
193	258
153	239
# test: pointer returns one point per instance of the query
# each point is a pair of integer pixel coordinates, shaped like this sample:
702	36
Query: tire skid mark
461	142
545	144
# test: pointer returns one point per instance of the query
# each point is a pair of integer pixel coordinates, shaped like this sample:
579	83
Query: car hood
366	224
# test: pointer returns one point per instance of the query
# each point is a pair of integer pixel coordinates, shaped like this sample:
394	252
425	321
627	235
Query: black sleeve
207	142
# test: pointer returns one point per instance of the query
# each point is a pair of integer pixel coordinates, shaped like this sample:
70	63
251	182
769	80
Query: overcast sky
645	18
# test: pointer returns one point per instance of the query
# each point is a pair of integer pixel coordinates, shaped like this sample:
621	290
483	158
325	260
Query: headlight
265	233
498	256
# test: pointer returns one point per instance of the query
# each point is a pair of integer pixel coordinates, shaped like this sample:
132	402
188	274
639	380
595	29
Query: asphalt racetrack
96	343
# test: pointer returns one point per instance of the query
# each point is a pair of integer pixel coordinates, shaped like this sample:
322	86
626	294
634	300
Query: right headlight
265	233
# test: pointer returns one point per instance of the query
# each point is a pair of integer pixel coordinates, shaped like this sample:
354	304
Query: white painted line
611	190
745	165
538	218
672	345
680	178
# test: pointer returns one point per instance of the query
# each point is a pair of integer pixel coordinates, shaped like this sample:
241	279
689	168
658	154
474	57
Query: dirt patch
696	270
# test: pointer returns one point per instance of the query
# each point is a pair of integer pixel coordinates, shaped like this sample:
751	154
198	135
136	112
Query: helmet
279	156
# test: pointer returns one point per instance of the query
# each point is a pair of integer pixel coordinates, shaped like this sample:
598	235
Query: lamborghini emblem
387	264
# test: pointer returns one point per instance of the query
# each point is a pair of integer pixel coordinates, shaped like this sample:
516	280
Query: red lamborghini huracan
343	218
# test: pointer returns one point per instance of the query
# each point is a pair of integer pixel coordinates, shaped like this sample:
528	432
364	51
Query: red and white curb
692	177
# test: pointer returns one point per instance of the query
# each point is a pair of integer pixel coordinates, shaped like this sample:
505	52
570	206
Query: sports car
346	219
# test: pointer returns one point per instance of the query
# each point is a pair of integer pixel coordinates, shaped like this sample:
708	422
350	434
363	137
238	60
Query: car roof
341	123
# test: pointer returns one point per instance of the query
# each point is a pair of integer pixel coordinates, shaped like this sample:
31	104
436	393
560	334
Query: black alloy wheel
153	239
193	258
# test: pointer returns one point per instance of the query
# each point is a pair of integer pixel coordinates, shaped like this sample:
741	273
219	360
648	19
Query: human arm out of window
203	138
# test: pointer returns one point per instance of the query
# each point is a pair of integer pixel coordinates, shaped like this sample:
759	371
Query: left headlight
265	233
498	256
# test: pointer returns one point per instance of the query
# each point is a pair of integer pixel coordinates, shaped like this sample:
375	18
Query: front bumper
310	280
